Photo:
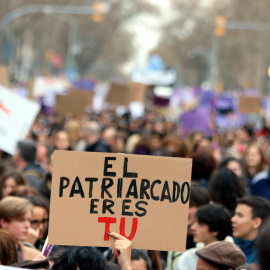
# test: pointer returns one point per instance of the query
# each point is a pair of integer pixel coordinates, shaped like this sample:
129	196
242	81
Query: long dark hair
225	188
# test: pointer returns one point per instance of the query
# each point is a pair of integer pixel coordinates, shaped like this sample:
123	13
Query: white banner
16	117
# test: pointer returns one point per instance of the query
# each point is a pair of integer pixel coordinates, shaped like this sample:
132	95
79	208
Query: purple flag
196	120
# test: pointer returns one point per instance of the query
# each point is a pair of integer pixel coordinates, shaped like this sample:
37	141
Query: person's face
253	157
138	264
203	265
244	226
201	233
242	135
156	143
61	140
8	186
191	217
40	220
235	167
41	156
18	228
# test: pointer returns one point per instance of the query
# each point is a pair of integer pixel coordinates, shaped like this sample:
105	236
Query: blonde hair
14	208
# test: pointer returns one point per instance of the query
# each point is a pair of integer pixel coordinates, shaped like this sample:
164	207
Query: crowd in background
229	198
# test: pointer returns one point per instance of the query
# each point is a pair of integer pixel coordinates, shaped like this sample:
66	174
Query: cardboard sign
119	95
250	105
139	91
141	197
4	76
16	117
75	103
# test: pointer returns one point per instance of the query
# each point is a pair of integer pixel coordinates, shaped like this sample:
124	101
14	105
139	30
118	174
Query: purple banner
230	121
196	120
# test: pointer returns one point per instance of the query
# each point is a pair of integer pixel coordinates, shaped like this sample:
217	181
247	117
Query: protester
199	196
93	138
260	184
15	218
256	161
43	155
8	251
39	222
263	247
220	256
244	134
9	182
212	223
140	260
250	213
61	140
82	258
156	261
225	188
233	164
109	136
202	167
24	159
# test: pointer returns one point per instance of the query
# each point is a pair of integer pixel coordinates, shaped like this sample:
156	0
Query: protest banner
4	76
74	103
196	120
139	91
250	105
144	198
119	95
44	85
17	115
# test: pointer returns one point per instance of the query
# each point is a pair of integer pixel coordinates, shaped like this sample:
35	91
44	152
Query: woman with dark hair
233	164
225	188
82	258
9	182
202	167
237	166
39	221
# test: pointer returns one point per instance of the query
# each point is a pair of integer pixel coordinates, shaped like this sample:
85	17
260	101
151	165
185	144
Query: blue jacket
248	248
261	184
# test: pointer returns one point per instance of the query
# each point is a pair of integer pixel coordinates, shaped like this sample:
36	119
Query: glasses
36	223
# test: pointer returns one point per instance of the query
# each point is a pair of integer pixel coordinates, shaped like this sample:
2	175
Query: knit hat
223	253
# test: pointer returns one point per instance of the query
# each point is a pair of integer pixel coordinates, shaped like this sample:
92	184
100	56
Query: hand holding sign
122	249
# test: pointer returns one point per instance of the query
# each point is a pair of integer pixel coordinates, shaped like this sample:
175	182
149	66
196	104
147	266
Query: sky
147	34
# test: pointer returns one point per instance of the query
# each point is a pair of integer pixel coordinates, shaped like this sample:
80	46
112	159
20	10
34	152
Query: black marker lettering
62	186
91	180
76	188
107	165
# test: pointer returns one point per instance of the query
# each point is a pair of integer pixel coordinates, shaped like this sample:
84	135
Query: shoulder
29	253
260	176
188	260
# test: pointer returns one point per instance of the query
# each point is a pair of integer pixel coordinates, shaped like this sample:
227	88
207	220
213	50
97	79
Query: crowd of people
228	226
